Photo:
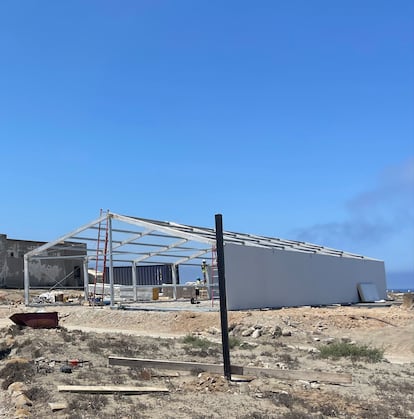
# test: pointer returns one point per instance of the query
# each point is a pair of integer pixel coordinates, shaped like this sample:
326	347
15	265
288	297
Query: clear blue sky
293	119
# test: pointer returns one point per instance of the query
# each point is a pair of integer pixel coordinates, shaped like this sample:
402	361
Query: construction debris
316	376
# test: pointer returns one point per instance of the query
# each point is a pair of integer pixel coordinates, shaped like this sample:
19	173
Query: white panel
259	278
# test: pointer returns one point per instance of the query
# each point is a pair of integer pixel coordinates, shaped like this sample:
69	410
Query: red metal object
47	320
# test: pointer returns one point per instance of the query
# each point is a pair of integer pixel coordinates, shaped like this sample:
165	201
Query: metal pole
111	262
86	279
134	281
26	280
223	298
174	280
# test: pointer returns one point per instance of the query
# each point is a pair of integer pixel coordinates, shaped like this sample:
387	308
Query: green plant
196	342
354	352
234	341
16	372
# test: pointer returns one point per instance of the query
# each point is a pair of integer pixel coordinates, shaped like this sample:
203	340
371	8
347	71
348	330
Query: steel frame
198	242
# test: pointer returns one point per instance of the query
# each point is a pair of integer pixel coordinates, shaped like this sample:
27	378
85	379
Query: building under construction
260	271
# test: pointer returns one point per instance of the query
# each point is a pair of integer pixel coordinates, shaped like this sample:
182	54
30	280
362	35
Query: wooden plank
327	377
111	389
323	377
171	365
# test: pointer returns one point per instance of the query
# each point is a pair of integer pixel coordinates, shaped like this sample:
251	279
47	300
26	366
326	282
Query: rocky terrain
374	345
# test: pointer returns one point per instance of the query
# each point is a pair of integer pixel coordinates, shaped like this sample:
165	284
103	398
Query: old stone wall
42	273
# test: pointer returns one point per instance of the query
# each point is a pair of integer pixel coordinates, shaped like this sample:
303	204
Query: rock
232	326
313	351
315	385
9	341
247	332
305	384
286	332
213	331
22	400
257	333
276	332
21	413
328	340
17	386
57	406
258	326
281	366
316	339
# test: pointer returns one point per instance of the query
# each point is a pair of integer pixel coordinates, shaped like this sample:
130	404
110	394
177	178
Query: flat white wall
259	278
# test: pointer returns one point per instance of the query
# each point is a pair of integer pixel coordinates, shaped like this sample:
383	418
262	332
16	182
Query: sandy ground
383	389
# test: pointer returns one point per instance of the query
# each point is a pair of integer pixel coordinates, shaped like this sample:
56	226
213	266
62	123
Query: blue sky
293	119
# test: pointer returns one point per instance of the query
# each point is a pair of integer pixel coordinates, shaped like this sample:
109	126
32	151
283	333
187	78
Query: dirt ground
286	339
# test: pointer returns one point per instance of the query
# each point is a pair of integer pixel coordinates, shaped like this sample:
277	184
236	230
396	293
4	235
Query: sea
400	290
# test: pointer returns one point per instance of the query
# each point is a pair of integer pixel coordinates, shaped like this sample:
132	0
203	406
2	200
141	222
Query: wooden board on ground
327	377
112	389
55	406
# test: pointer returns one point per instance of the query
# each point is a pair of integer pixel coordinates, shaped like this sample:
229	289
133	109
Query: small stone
286	332
316	339
257	333
57	406
276	332
213	331
315	385
258	326
10	341
328	340
247	332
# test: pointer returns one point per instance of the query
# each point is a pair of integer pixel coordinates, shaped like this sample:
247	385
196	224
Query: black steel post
223	298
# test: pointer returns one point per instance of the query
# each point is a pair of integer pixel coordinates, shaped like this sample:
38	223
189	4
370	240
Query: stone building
43	273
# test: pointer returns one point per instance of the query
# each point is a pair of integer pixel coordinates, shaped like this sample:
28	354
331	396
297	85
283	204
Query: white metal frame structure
140	241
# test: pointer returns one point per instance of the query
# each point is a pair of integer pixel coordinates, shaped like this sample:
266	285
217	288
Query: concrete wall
45	273
259	278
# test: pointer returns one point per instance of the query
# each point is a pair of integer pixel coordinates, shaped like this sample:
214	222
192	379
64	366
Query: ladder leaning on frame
100	261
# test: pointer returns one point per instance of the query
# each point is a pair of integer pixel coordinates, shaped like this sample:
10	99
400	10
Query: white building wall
259	278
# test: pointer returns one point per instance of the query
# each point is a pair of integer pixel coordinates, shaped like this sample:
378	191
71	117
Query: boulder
17	387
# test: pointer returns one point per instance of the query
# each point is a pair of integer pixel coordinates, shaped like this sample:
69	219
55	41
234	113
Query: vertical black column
223	297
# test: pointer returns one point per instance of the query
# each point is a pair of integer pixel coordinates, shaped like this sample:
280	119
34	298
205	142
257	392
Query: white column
134	281
26	280
86	279
111	262
174	279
